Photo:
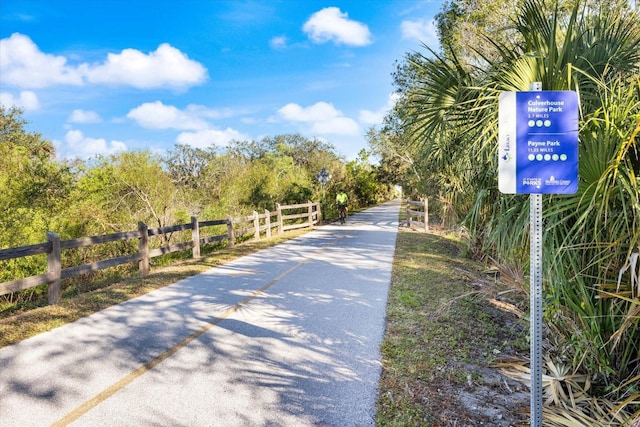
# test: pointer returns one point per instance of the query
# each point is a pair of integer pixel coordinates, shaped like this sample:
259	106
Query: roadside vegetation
443	135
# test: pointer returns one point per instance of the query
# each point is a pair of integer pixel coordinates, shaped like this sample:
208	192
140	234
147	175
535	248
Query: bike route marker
323	176
538	142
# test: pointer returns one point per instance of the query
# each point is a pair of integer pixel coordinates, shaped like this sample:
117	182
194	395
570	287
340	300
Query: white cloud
85	147
208	137
336	125
376	117
156	115
279	42
27	100
209	113
422	29
317	112
321	118
166	66
22	64
330	24
371	117
83	116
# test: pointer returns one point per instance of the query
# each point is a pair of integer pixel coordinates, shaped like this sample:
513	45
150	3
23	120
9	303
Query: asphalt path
288	336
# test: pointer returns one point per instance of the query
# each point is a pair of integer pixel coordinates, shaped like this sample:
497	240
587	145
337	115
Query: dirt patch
485	397
495	400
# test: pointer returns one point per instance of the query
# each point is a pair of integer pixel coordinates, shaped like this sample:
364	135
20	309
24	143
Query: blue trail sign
538	142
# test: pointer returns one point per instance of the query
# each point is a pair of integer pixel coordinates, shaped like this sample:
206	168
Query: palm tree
450	110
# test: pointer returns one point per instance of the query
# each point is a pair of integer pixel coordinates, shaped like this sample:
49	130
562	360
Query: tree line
108	194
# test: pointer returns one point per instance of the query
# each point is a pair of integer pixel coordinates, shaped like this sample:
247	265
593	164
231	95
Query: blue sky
102	76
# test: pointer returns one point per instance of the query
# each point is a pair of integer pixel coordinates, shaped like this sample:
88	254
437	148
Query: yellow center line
119	385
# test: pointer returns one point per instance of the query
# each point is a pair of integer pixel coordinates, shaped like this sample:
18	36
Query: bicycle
342	212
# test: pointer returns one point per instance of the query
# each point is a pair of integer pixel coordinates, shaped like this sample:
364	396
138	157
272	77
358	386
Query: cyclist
341	202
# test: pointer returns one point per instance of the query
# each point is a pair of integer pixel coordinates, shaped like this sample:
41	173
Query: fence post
310	213
426	214
195	237
231	235
280	225
267	222
256	225
54	265
143	248
316	218
408	213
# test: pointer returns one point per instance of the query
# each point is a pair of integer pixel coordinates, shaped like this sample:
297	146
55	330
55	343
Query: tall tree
34	190
117	192
187	165
34	187
469	29
31	176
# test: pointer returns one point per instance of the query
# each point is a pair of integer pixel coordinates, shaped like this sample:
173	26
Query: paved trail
288	336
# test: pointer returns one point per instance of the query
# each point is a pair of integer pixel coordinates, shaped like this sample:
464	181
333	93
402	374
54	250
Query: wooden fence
288	217
418	217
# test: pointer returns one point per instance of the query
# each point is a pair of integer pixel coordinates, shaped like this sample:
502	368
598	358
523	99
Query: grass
443	334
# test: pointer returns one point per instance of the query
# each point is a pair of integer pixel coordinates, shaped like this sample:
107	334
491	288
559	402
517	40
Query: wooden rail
255	225
419	217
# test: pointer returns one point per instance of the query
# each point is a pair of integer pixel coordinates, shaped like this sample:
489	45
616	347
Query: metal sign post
535	306
538	154
535	299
